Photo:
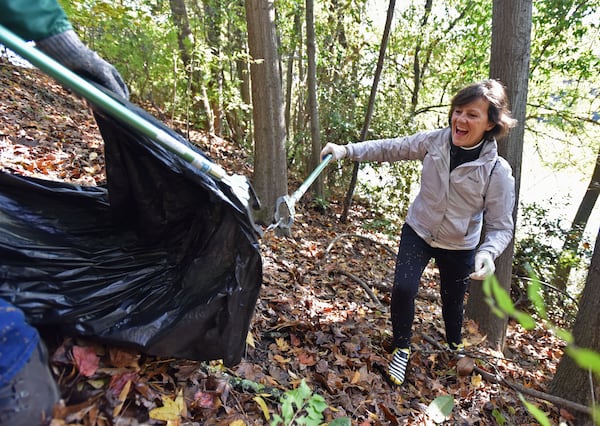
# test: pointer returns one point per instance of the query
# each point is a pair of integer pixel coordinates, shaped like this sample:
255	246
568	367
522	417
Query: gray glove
70	51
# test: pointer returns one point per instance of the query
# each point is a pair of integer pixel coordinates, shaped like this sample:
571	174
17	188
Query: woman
464	184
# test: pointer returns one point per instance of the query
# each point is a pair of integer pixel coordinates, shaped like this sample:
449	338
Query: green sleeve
33	19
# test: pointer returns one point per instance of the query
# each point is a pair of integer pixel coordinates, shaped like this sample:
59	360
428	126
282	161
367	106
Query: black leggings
454	266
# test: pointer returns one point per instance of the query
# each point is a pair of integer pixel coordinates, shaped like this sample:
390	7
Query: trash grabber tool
284	210
239	184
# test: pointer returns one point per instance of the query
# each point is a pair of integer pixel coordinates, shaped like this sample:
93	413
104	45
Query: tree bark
289	83
571	381
313	107
270	167
510	54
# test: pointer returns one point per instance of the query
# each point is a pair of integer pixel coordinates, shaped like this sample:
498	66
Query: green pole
82	87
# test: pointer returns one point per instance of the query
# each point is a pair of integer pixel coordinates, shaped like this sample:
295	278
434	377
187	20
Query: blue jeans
454	266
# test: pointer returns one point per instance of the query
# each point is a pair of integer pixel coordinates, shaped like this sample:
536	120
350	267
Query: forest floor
314	320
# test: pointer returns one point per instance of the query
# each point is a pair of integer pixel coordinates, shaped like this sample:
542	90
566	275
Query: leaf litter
314	322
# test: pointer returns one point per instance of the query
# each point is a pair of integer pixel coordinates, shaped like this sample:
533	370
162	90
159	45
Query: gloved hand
484	266
70	51
337	152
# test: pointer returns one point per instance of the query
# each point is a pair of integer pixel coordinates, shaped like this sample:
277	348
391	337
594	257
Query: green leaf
499	417
304	392
538	414
563	334
502	298
440	408
585	358
534	294
287	411
276	420
341	421
526	320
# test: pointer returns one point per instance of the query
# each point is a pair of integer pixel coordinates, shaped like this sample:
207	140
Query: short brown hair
498	112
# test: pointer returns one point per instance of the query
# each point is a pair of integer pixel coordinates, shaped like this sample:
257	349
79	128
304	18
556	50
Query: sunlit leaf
250	340
171	409
440	408
263	406
476	380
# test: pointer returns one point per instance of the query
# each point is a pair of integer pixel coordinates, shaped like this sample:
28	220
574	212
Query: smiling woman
463	182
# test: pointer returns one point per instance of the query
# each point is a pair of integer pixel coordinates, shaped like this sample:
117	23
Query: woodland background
187	62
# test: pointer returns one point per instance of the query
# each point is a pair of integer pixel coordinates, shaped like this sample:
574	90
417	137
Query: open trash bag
163	258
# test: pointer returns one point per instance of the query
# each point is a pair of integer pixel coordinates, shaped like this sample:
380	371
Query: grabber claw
284	210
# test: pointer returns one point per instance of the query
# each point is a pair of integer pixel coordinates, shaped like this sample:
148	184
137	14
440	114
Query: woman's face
470	122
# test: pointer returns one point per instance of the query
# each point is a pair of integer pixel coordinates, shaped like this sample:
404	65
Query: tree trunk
570	381
573	239
289	83
270	171
371	106
511	39
213	26
185	42
417	71
313	107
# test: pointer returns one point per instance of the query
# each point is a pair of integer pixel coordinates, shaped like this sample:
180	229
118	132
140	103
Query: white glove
337	152
484	266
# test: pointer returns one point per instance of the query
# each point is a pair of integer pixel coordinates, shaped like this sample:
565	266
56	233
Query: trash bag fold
162	258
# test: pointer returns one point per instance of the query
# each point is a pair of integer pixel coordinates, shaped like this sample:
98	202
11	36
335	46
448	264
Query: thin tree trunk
290	76
511	39
185	39
571	381
313	107
212	17
575	234
371	105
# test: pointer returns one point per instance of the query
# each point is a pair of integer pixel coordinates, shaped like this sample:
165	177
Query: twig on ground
499	379
363	284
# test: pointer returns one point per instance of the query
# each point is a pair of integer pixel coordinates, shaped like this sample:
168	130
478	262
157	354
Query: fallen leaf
263	406
172	410
86	360
122	398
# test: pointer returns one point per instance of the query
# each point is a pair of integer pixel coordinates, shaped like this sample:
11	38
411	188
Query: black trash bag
163	258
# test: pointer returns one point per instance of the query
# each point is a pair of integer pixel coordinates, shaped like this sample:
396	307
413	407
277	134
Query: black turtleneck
459	155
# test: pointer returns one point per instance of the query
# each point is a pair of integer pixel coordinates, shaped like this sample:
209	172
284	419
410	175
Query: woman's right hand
337	152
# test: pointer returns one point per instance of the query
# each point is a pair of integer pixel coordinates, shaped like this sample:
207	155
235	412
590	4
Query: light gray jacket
450	208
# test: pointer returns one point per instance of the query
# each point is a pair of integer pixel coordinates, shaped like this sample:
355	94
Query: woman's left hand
484	266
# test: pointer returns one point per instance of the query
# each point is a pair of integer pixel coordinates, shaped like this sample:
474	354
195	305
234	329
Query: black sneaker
29	398
397	370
